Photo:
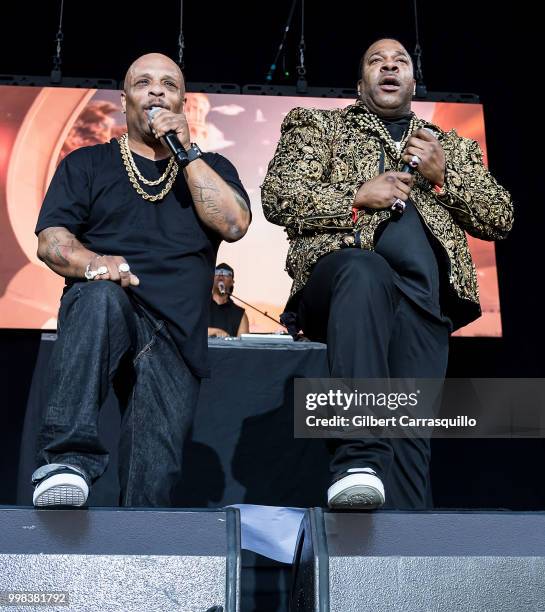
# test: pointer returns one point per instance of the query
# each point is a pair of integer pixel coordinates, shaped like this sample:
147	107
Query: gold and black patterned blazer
322	159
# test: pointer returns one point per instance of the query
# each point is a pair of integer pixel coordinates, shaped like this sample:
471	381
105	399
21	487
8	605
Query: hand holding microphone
173	130
425	154
381	191
400	204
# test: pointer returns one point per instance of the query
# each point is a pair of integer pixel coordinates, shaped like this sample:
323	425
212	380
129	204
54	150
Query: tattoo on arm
213	199
59	251
206	194
56	253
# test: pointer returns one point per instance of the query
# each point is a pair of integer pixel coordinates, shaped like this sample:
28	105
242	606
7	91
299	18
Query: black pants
107	339
373	331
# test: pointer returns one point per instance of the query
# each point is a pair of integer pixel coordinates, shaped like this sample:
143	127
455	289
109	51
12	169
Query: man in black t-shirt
135	235
226	318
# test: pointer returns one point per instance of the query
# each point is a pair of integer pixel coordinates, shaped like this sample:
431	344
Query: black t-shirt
405	244
168	248
226	316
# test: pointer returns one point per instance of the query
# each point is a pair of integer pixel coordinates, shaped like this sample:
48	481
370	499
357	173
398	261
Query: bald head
378	43
154	61
386	82
152	80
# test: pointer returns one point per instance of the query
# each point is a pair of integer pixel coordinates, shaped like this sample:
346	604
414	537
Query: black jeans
106	338
373	331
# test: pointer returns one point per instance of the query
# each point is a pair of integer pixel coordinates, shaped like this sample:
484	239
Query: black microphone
408	168
399	206
412	169
171	140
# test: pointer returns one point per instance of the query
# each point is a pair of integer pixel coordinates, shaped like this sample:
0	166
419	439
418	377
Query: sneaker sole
357	490
61	490
357	496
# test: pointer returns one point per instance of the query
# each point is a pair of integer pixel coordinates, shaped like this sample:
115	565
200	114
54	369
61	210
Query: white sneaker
59	484
357	488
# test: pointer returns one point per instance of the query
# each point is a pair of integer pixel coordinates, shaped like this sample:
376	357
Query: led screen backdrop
39	126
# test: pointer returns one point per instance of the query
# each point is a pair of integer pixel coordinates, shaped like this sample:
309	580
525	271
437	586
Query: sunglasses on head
223	272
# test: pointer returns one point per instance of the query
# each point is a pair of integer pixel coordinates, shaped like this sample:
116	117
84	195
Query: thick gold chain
131	167
141	178
395	148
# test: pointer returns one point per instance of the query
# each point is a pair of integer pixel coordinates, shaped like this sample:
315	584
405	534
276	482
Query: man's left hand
166	121
430	152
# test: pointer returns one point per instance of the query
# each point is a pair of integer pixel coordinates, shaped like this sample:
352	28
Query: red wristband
439	190
354	214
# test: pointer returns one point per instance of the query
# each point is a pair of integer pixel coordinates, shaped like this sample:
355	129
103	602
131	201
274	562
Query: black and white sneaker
357	488
59	484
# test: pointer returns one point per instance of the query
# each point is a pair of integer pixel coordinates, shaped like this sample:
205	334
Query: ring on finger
398	206
124	267
415	160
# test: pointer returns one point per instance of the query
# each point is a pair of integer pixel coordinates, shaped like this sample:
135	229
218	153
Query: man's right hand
61	251
383	190
112	263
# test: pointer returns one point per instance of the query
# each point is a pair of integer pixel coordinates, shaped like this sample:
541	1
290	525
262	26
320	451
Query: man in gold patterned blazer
379	256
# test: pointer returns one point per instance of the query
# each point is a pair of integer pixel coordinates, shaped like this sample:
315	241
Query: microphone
399	206
171	140
412	169
408	168
221	287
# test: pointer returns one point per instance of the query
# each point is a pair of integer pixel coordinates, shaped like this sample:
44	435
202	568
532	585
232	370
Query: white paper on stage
270	531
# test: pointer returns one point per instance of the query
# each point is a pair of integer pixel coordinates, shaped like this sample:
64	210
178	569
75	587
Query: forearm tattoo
207	194
215	206
59	249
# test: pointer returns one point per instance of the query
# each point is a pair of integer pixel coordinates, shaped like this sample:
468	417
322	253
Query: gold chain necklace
135	168
132	171
395	148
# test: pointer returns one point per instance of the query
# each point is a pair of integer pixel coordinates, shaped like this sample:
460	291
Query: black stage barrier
106	560
415	561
